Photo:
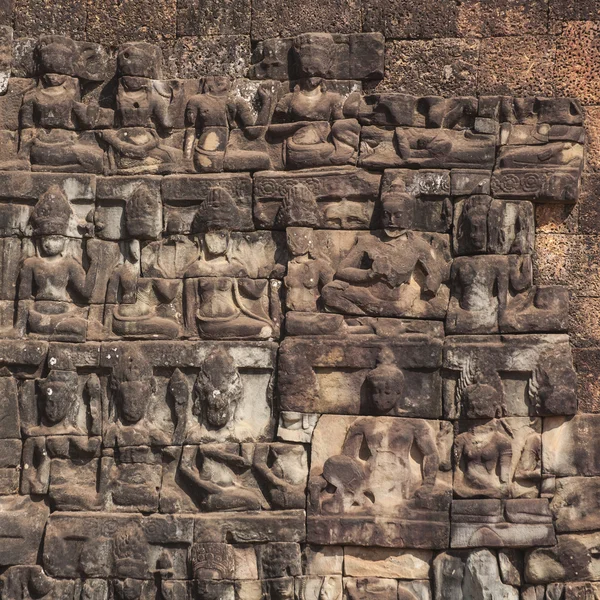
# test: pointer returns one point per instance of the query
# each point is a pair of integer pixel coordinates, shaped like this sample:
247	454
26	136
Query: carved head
299	208
473	224
139	59
216	217
280	589
398	209
59	396
299	240
216	85
133	384
218	389
385	383
143	214
51	214
212	561
56	54
483	401
330	589
175	225
314	54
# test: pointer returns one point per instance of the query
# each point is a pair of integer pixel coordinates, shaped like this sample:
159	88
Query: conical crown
52	213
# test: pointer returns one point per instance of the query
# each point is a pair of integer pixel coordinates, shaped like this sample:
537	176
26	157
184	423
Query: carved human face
329	589
134	396
482	401
473	228
386	395
299	240
397	216
217	242
282	589
58	399
218	409
53	245
54	79
217	85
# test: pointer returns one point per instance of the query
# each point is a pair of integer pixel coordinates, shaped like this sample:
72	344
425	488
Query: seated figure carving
209	118
496	293
143	114
396	273
142	305
229	304
52	281
310	119
52	115
219	474
307	272
372	474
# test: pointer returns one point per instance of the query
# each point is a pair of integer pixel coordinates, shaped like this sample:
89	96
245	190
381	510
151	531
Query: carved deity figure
52	281
142	305
310	119
395	274
483	454
496	293
133	387
143	115
210	117
229	305
372	474
307	273
52	114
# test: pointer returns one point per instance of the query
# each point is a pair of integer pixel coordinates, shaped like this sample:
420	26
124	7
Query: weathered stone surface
529	71
34	17
194	56
410	19
573	558
432	67
195	17
576	57
113	23
380	562
474	576
292	19
503	18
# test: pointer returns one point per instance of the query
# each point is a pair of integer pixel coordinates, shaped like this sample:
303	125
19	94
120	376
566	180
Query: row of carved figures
220	284
165	126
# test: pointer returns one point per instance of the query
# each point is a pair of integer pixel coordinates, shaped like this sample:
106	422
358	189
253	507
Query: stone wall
299	316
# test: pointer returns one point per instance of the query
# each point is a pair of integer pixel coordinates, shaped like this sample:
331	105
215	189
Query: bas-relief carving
280	337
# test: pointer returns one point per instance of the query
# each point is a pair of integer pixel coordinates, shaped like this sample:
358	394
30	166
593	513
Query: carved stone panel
284	336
